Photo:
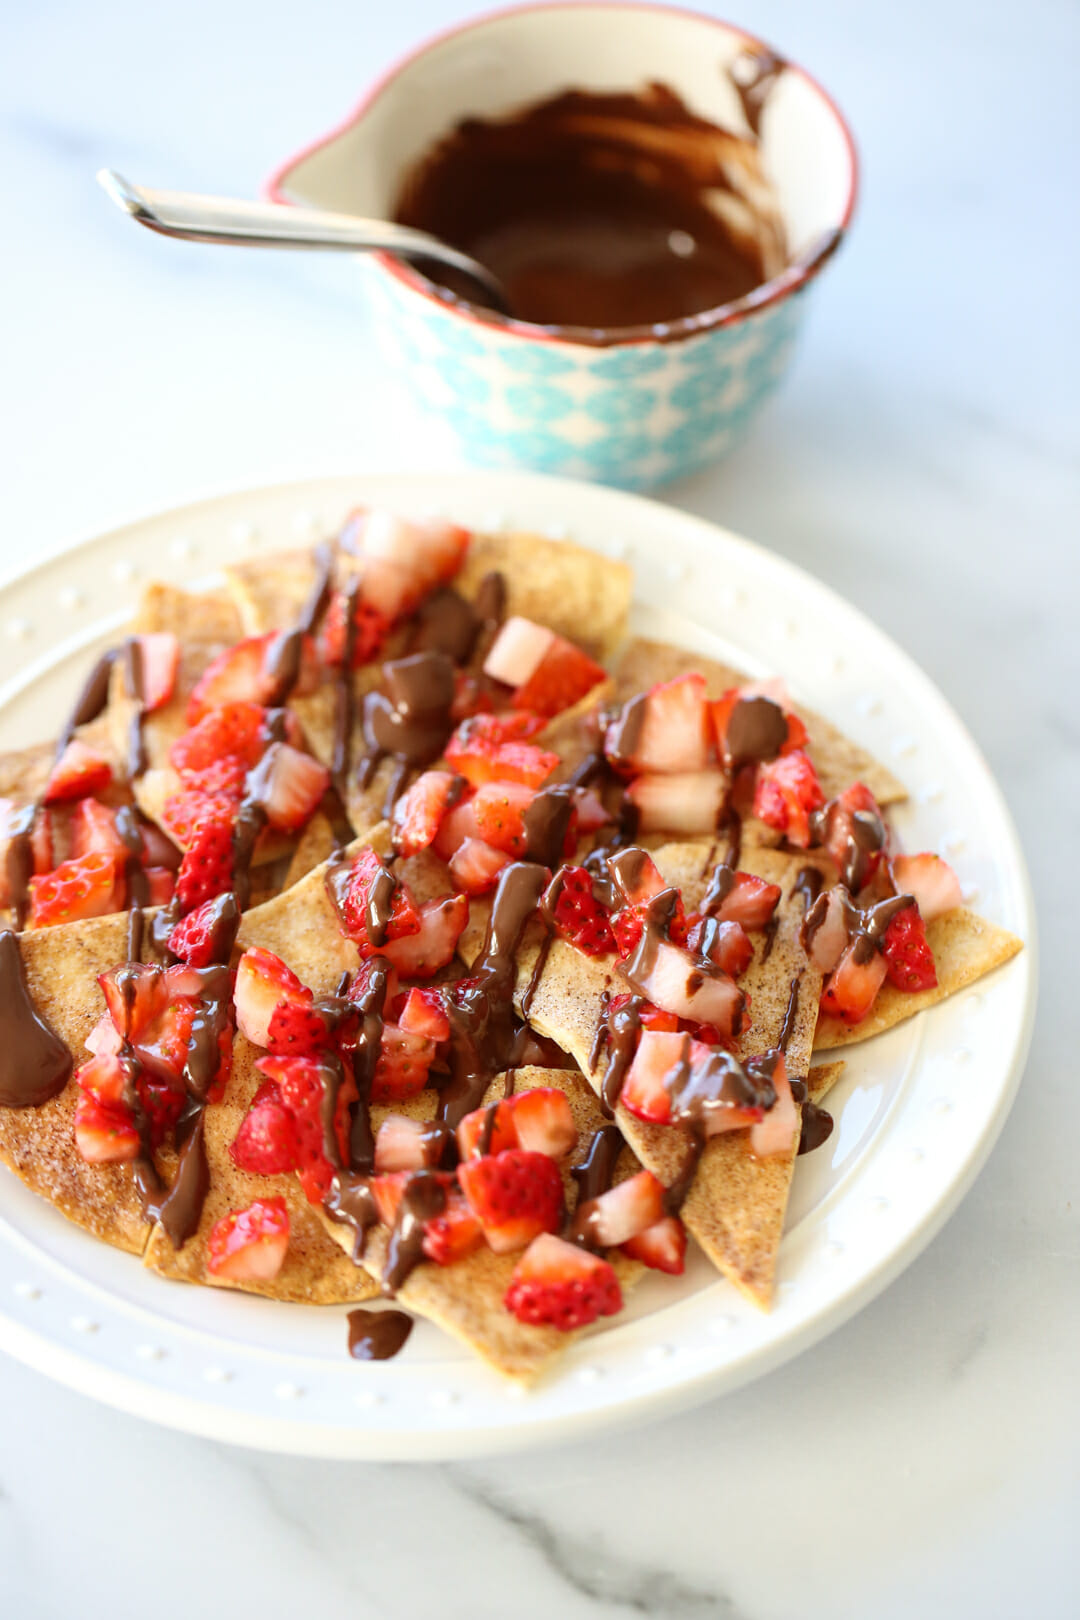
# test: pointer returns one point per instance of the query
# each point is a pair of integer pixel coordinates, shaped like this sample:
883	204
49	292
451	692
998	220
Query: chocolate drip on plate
377	1335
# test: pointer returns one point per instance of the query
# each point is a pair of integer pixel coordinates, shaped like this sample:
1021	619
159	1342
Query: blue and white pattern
635	416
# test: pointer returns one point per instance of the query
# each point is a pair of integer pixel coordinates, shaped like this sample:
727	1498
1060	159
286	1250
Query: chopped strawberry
725	943
559	1284
661	1246
101	1076
161	885
459	824
293	786
198	938
932	882
454	1233
673	734
481	757
402	1069
238	675
402	1143
370	630
650	1017
93	831
162	1047
562	678
104	1040
159	660
265	1144
684	802
644	1091
296	1030
303	1092
162	1102
429	550
512	725
850	991
262	982
78	772
249	1245
628	924
910	959
620	1213
826	929
135	994
499	809
184	813
419	955
517	651
673	980
475	866
89	886
539	1120
424	1013
762	727
352	898
514	1195
104	1135
419	813
785	792
636	876
855	835
577	915
778	1131
750	901
207	867
234	729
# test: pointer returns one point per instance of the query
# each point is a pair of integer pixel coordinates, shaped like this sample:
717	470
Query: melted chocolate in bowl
604	211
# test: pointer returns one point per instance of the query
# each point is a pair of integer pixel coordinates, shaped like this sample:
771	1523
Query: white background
923	459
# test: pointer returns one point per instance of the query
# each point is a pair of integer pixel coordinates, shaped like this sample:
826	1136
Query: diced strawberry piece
78	772
387	1191
159	655
262	981
624	1210
517	651
89	886
93	831
910	959
674	732
197	938
500	809
512	725
827	929
352	900
459	823
249	1245
475	866
750	901
162	1102
559	1284
402	1069
454	1233
237	675
41	841
296	1030
405	1144
104	1040
370	630
294	785
591	811
419	955
135	994
644	1092
303	1088
674	981
661	1246
419	813
932	882
186	812
855	835
636	876
431	550
14	819
207	867
578	916
265	1144
515	1196
684	802
790	733
728	944
480	757
539	1120
785	792
562	678
162	1047
424	1013
161	885
234	729
102	1077
104	1135
778	1131
650	1017
852	988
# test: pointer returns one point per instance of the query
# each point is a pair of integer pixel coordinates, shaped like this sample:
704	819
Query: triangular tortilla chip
965	947
62	965
466	1299
837	759
315	1271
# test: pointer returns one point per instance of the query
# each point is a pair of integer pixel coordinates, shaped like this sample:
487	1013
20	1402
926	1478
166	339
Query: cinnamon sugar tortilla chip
62	965
315	1271
466	1299
302	927
315	845
965	947
837	759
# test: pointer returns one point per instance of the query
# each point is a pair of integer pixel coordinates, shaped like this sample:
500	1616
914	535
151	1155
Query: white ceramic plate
917	1111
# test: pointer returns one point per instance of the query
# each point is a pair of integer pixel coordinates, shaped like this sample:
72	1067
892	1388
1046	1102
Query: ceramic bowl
662	401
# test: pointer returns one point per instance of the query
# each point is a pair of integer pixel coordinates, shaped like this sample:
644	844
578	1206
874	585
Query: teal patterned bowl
653	404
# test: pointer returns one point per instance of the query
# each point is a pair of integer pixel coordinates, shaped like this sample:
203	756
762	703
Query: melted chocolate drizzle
377	1335
35	1065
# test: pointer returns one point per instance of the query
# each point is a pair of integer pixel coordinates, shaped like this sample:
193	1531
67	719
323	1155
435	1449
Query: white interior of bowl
494	66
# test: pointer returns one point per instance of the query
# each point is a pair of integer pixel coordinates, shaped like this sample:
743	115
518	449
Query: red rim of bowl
790	280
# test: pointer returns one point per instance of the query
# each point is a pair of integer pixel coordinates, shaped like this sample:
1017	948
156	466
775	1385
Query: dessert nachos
386	922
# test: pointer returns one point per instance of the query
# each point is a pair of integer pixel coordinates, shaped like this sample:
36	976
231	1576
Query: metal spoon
195	218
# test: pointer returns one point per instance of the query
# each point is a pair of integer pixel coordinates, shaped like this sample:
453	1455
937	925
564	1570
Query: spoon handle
196	218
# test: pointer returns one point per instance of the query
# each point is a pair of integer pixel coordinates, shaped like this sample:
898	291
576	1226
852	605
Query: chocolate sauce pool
600	210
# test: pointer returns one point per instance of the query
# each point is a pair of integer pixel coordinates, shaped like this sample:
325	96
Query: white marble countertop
922	458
